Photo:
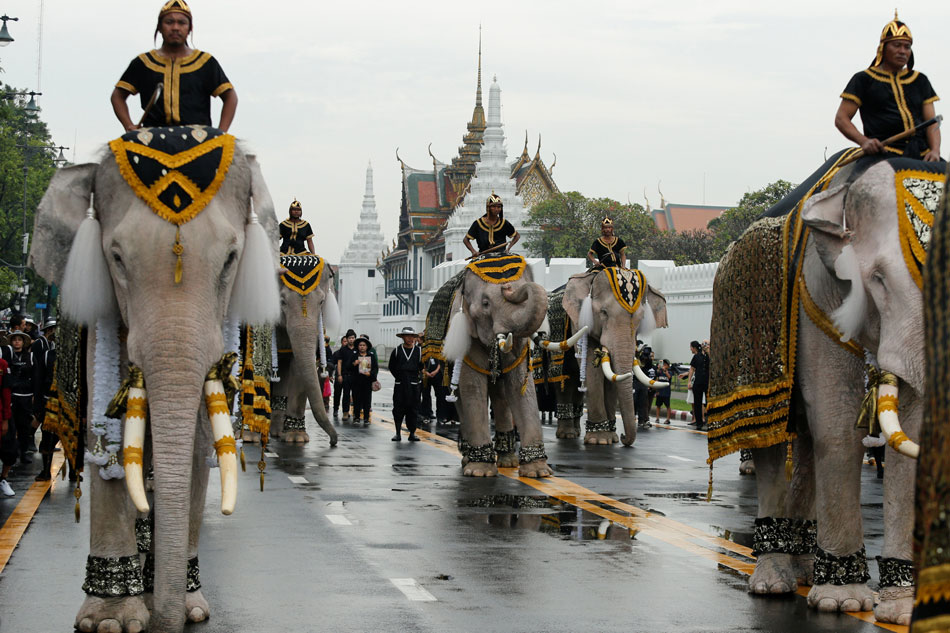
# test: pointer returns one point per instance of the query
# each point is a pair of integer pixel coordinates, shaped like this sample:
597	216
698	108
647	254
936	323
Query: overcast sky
731	94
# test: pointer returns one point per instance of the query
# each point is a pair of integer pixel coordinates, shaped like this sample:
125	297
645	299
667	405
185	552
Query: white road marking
297	479
270	454
412	590
682	459
338	519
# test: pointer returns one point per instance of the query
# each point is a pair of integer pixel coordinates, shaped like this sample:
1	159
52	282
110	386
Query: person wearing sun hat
405	363
892	98
189	78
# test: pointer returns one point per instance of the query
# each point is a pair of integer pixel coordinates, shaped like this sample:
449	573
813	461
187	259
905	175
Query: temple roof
685	217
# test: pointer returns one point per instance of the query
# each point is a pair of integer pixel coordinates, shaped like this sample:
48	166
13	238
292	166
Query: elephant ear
577	290
657	303
825	215
58	217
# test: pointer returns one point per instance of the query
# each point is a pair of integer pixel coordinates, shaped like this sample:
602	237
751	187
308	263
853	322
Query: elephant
619	305
865	234
488	341
300	333
172	266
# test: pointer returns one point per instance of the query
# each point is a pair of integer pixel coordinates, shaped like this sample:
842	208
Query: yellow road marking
672	532
12	531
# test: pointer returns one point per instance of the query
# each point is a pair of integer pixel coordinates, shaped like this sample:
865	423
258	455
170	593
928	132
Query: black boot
45	474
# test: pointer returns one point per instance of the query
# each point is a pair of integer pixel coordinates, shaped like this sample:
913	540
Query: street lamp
5	37
31	105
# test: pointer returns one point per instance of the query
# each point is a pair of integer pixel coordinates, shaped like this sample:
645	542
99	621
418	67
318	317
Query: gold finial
895	15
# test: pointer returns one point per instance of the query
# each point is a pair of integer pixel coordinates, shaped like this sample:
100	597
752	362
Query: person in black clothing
328	376
333	361
365	371
492	231
345	370
48	441
698	380
642	394
296	234
25	382
663	374
434	373
608	249
405	362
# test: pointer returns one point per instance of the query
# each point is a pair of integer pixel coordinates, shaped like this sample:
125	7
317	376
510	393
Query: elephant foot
480	469
537	468
295	437
804	568
251	437
747	467
774	573
507	460
601	437
125	614
196	607
895	605
566	430
832	598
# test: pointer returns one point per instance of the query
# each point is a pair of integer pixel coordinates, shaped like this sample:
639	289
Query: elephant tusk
224	443
504	342
887	405
569	343
646	380
609	373
133	443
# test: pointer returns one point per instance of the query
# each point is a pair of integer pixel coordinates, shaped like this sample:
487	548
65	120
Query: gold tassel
243	461
262	465
303	302
77	492
62	471
709	489
178	249
789	462
524	385
117	406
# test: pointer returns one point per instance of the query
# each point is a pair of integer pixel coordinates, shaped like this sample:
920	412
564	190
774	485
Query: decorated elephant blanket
628	286
64	406
302	274
758	294
498	269
932	521
437	320
256	370
551	369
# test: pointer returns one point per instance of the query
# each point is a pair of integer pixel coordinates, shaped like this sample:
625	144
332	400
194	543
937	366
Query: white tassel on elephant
87	291
331	315
582	362
133	446
458	338
321	333
648	322
255	296
850	315
224	444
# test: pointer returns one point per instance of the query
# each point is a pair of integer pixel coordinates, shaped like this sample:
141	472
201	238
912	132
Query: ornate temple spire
463	166
368	238
478	89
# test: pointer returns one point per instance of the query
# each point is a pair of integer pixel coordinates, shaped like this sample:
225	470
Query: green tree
730	225
25	155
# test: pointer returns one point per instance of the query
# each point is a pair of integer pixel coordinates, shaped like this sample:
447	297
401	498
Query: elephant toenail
85	625
134	626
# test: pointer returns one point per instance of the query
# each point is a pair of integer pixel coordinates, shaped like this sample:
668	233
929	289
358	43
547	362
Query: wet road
375	535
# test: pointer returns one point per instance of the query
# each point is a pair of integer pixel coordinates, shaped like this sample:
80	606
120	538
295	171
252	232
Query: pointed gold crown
493	199
296	205
175	6
606	221
894	30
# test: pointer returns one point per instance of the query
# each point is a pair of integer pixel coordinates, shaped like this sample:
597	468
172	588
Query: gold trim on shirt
126	86
171	70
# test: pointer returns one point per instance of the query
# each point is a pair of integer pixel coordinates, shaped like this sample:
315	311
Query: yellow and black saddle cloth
498	269
759	289
627	285
302	274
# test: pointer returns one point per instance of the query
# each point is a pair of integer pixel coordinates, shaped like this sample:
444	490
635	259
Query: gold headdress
493	199
296	205
894	30
606	222
175	6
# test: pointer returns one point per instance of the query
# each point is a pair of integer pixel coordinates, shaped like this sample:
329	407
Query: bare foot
832	598
480	469
601	437
125	614
537	468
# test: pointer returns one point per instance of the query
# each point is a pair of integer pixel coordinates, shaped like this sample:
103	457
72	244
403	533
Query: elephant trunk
174	401
306	368
625	401
516	295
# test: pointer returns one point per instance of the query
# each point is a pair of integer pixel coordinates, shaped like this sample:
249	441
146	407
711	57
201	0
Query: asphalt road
375	535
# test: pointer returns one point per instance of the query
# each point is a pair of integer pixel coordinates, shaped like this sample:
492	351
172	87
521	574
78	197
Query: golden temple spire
478	90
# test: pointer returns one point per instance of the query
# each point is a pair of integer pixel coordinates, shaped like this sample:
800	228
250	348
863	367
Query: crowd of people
27	357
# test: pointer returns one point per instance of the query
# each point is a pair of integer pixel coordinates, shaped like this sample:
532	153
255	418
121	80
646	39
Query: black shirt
405	364
187	87
294	237
346	357
890	104
700	365
608	254
488	235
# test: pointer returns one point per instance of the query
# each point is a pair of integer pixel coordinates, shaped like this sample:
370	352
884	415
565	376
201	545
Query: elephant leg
196	606
800	506
295	426
566	393
601	421
896	598
774	570
280	394
478	454
505	441
831	407
532	459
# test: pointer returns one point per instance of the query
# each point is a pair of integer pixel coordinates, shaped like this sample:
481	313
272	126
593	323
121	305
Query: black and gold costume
187	87
608	254
890	104
293	236
490	235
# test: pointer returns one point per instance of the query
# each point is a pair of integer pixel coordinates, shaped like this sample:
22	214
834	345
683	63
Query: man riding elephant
492	231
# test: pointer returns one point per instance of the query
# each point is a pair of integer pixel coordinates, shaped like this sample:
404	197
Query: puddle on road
541	514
